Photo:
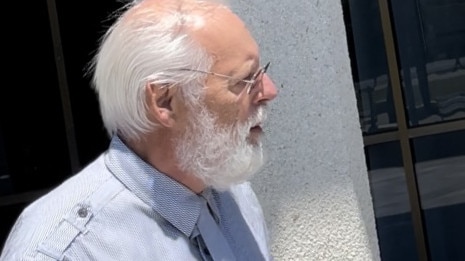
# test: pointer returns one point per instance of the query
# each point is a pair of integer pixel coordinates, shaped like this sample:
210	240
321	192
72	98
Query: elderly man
183	97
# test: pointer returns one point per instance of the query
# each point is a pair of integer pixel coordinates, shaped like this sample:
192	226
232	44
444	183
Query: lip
256	128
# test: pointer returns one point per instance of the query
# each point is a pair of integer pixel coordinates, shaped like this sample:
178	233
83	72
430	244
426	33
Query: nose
267	91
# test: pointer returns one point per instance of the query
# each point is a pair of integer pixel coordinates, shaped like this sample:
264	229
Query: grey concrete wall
314	188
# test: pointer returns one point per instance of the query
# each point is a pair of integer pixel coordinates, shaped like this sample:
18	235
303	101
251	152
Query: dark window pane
369	66
34	140
91	137
5	182
440	168
391	202
431	44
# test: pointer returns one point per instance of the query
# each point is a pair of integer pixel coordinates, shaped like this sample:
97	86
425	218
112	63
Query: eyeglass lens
257	78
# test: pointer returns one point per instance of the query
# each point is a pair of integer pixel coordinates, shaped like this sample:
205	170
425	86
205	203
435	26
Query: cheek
226	111
227	114
228	107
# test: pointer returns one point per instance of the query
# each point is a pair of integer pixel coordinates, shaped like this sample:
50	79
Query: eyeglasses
249	84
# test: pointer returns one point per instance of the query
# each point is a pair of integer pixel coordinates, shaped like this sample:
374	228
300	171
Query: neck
158	150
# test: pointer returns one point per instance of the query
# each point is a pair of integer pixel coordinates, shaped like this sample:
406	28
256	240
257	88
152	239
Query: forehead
214	26
227	39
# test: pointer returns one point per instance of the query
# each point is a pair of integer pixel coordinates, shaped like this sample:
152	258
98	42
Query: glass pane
91	137
34	153
391	202
440	167
431	44
369	66
5	183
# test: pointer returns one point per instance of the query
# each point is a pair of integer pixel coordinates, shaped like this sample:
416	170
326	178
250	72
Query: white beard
220	157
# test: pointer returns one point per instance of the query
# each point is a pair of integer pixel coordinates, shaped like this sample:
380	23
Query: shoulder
57	215
249	205
252	213
245	195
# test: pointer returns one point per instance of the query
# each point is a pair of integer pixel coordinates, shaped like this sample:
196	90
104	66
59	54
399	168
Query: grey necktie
214	240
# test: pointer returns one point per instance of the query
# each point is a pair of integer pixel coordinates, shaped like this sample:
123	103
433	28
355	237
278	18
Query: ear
159	102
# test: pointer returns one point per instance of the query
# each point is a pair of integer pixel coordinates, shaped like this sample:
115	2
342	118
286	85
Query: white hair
151	47
220	156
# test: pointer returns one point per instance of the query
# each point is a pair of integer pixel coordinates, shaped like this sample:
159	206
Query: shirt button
82	212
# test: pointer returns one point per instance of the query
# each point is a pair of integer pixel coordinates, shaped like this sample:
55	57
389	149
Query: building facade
365	142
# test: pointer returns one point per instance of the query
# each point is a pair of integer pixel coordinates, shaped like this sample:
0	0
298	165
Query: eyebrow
251	70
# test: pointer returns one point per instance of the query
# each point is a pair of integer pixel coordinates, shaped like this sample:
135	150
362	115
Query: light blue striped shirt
120	208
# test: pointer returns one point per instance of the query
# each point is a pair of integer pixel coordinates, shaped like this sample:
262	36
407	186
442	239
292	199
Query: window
408	68
50	125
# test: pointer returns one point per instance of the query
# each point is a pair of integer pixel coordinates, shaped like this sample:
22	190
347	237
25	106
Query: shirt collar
211	196
172	200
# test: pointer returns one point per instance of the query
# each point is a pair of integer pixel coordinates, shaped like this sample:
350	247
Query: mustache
258	117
